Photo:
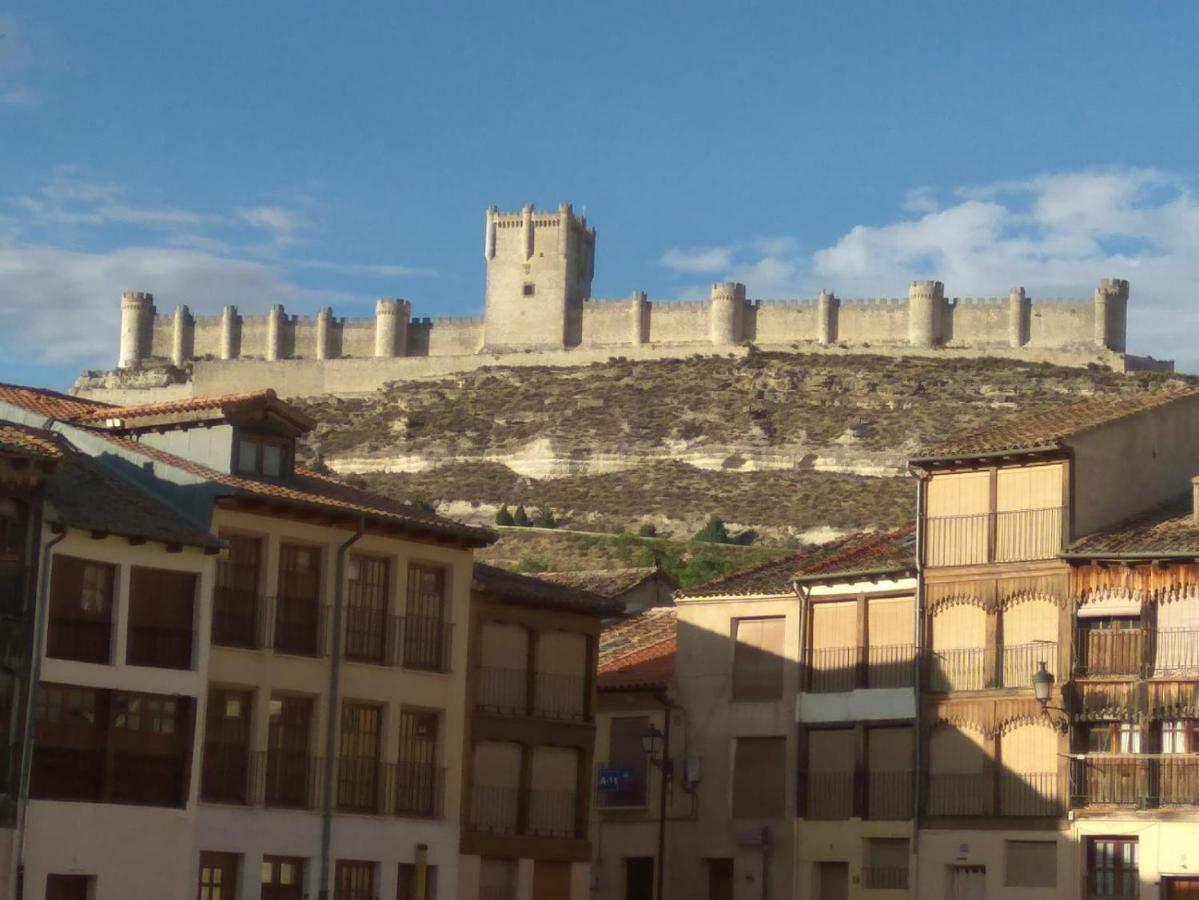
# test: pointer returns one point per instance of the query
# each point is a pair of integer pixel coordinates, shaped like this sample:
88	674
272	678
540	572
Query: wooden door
226	746
424	623
288	768
282	878
218	876
297	606
66	887
358	767
551	880
1182	889
354	880
720	879
366	609
418	776
834	881
639	878
968	883
235	597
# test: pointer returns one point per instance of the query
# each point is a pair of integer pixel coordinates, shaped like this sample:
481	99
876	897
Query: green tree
647	530
714	532
543	518
503	516
520	518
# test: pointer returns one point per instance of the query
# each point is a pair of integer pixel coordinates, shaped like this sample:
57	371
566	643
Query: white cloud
921	199
697	259
283	224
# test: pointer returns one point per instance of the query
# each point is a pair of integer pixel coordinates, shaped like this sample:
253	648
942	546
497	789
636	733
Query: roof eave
855	575
1139	555
1056	447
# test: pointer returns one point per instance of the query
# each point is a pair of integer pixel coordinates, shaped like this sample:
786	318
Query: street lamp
1042	688
655	745
653	742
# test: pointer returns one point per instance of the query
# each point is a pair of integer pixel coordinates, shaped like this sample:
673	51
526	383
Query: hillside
790	446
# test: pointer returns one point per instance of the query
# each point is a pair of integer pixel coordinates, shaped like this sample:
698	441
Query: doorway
833	881
1182	889
639	878
720	879
66	887
967	883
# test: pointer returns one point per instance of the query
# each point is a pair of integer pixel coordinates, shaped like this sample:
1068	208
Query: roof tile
1168	529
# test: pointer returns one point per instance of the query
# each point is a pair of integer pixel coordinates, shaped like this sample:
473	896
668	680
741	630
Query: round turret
137	327
391	327
1111	314
182	336
725	312
230	333
1017	317
826	318
926	301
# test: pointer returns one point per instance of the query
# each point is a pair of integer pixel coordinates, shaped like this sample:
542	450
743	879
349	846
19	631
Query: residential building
636	589
327	675
530	738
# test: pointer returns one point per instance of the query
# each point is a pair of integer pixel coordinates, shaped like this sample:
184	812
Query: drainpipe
41	604
918	731
664	784
331	725
802	593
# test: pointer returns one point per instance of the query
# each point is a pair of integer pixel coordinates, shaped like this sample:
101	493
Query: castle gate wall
873	321
1061	324
607	322
979	322
782	321
678	322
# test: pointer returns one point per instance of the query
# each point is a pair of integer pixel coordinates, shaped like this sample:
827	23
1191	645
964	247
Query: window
1113	737
418	779
1177	736
625	751
1112	868
235	597
81	596
426	632
358	765
886	864
528	289
282	878
1030	864
297	608
366	609
218	876
758	659
260	454
161	609
290	770
406	882
355	880
226	746
759	786
830	765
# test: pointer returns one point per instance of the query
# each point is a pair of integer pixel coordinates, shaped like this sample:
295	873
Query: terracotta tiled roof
227	404
605	582
857	553
1049	428
21	440
529	590
638	651
50	404
313	490
1168	529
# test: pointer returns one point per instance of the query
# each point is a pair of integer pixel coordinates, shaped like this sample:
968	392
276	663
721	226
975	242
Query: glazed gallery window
1113	737
260	454
81	597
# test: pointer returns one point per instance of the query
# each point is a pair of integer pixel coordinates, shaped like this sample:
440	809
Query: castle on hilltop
538	304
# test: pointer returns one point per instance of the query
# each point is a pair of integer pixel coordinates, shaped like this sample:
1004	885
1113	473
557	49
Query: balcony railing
1020	661
1138	781
889	795
558	696
958	794
161	648
300	625
830	795
419	790
425	643
235	618
834	669
1103	651
1028	794
957	670
83	640
1175	652
226	774
495	809
360	785
893	878
634	795
992	537
288	779
369	635
503	690
552	814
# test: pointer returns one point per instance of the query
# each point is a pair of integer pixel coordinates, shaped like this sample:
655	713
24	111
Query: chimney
1195	498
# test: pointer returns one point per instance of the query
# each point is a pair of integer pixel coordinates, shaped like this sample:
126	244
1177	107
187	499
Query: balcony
360	785
226	774
994	537
890	878
552	814
158	647
235	616
830	795
1020	661
290	779
1028	794
957	670
889	795
558	696
1105	652
495	809
504	691
1175	652
836	669
425	643
300	625
958	794
83	640
1143	781
419	790
369	635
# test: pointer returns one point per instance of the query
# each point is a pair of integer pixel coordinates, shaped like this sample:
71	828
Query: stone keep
539	271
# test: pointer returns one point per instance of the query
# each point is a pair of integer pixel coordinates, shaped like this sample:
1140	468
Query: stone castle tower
539	271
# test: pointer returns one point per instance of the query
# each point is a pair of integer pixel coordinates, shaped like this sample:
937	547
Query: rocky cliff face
792	445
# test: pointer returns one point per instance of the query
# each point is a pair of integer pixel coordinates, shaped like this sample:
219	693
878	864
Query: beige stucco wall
941	849
1165	848
817	842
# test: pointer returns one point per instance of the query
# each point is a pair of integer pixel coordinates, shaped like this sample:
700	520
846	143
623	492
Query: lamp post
656	745
1042	688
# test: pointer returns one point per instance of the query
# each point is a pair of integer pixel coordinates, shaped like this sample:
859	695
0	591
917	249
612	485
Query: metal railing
830	795
1139	781
1102	651
834	669
552	814
889	795
1020	661
235	618
636	794
957	794
495	809
299	625
361	785
161	648
1175	652
287	779
419	790
369	635
1028	794
1010	536
559	696
503	690
83	640
957	670
425	643
225	774
894	878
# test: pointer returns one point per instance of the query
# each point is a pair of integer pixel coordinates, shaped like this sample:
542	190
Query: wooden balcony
994	537
1140	781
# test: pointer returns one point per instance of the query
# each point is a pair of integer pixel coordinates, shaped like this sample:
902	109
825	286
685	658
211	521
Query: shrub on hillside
503	516
520	518
714	532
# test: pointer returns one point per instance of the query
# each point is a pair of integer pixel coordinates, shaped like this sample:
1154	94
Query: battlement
540	266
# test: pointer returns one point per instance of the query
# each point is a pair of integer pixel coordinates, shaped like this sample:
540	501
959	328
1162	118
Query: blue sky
316	154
